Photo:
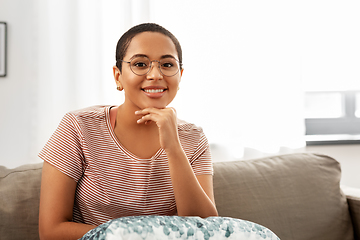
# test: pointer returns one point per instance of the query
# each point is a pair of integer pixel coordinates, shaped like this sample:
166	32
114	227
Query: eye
140	64
167	65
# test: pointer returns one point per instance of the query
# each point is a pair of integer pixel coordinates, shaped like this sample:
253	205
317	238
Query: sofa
298	196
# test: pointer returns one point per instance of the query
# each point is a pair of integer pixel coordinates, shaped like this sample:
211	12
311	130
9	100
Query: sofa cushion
297	196
19	202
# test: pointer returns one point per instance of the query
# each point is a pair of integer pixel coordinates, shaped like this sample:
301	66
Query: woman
107	162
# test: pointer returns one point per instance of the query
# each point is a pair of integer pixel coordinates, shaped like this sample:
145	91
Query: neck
126	115
126	119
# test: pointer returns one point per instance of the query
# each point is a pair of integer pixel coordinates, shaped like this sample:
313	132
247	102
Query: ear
181	73
117	77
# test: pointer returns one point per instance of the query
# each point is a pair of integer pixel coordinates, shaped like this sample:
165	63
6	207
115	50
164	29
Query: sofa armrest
353	199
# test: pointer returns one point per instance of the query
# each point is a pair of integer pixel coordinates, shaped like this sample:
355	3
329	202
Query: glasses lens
169	66
140	65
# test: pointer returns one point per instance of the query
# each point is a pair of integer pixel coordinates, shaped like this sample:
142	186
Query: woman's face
152	89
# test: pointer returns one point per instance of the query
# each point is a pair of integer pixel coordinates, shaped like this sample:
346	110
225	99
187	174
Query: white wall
18	88
349	158
39	82
46	78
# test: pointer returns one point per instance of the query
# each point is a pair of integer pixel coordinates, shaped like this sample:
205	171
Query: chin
159	106
151	105
156	103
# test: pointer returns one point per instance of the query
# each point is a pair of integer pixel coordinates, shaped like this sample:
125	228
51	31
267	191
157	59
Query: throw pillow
175	227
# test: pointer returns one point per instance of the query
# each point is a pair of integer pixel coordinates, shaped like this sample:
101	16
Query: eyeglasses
141	65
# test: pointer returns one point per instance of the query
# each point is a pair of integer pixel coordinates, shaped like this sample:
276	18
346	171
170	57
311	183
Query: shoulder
188	127
86	116
193	140
190	132
89	113
93	111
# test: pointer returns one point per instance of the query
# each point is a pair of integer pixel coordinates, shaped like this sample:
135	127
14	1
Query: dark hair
126	38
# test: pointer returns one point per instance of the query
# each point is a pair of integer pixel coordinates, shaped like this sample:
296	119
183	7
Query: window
330	71
332	117
357	105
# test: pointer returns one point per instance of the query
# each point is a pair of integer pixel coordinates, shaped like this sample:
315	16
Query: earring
119	88
178	88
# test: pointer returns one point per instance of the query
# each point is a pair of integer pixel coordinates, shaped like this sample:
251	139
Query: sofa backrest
297	196
19	202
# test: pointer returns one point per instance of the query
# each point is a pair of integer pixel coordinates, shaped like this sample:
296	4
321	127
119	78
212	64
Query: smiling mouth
154	90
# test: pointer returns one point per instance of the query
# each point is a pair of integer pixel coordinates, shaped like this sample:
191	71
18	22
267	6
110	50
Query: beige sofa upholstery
297	196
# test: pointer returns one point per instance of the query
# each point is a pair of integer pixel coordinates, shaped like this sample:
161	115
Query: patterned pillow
174	227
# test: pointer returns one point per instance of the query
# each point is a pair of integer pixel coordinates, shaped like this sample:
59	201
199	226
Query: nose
154	72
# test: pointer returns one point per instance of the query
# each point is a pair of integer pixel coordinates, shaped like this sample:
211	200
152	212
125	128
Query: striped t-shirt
111	181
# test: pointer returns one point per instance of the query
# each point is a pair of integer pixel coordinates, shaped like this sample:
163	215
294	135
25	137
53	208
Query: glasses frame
150	66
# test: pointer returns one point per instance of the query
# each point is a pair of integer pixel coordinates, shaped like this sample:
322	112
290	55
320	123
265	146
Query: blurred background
261	77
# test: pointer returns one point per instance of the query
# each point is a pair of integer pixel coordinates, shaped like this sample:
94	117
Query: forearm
56	206
64	230
191	198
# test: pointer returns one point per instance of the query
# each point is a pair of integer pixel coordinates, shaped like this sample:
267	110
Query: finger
174	111
155	114
147	111
147	118
139	112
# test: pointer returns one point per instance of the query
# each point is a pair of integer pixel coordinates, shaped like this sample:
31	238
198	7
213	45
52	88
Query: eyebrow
144	55
167	56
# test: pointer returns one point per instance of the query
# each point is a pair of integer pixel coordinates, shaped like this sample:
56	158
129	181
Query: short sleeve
64	150
201	161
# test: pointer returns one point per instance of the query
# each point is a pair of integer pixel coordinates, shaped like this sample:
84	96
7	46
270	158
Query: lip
154	94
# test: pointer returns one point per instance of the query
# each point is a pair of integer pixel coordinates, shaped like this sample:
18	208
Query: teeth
153	90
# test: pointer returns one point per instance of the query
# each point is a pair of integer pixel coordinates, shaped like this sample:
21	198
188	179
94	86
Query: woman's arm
56	206
193	194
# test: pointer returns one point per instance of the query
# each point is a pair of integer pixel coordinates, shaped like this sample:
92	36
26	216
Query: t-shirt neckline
122	147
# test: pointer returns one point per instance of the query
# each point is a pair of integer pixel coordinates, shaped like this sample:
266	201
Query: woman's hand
166	121
193	194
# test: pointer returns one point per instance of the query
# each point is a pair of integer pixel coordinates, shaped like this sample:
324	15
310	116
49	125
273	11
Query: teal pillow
175	227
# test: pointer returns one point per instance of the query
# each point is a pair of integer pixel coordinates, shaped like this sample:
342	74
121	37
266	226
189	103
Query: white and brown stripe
113	182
